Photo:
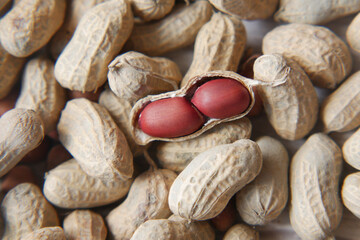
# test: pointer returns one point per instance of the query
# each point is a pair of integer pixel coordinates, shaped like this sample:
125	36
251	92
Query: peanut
351	150
68	186
30	24
25	210
46	233
241	232
326	67
147	199
292	107
263	200
205	186
99	37
84	224
41	92
315	209
177	155
352	34
226	218
22	130
134	75
340	111
350	193
151	10
88	132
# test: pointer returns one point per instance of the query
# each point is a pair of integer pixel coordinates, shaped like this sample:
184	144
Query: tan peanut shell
219	45
205	186
177	155
340	111
315	209
99	37
120	109
41	92
174	228
263	200
84	224
322	54
292	108
10	68
30	24
151	10
134	75
315	12
353	33
25	210
241	232
68	186
174	31
47	233
88	132
247	9
21	131
147	199
350	193
351	150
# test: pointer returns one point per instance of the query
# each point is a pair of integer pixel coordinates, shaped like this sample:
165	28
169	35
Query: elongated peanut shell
241	232
88	132
353	34
147	199
263	200
41	92
315	209
30	25
340	111
98	38
292	108
151	10
84	224
205	186
350	193
247	9
68	186
134	75
322	54
174	31
219	45
25	210
10	67
351	150
47	233
177	155
315	12
21	131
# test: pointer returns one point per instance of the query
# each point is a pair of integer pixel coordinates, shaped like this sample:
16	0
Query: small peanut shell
84	224
147	199
205	186
350	193
151	10
41	92
315	12
30	24
174	31
292	108
241	232
351	150
322	54
46	233
219	45
177	155
340	111
263	200
25	210
353	33
316	209
88	132
247	9
134	75
98	38
21	131
68	186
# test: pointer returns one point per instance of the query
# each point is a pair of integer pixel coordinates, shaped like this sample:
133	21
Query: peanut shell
47	233
350	193
353	34
351	150
151	10
241	232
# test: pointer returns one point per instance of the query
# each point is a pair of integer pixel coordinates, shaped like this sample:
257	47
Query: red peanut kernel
170	118
221	98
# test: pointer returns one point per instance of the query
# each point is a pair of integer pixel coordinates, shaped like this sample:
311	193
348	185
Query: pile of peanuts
142	119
